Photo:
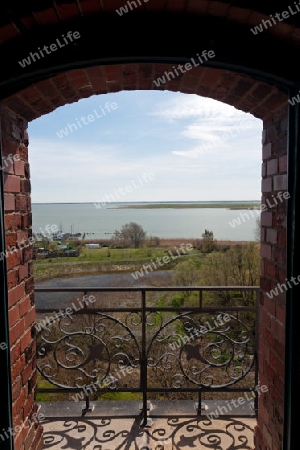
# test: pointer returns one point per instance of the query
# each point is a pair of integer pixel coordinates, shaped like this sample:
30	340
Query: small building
61	247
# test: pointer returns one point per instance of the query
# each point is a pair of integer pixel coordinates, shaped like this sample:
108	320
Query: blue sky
195	148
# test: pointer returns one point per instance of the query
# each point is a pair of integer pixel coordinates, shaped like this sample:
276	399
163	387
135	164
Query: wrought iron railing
162	340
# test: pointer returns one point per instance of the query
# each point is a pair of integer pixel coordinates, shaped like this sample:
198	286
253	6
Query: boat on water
58	236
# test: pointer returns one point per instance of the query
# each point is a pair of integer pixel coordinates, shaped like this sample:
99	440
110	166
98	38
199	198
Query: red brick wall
273	270
20	279
244	93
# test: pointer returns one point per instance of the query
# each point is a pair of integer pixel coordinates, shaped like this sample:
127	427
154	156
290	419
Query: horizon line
141	201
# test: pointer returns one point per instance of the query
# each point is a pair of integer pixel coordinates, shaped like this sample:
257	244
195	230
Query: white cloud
213	124
189	106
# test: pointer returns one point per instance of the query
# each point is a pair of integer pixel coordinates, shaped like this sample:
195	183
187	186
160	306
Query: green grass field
101	260
116	254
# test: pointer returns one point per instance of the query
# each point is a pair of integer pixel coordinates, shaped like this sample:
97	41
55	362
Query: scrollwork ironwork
188	349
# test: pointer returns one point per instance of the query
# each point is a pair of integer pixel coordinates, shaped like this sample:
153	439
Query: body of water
165	223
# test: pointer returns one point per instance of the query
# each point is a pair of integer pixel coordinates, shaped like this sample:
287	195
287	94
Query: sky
145	146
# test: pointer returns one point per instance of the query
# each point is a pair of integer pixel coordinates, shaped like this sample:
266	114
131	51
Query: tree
130	235
186	273
239	266
207	241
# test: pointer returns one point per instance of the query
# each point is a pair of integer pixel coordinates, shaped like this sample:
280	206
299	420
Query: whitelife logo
110	198
205	55
292	101
8	160
48	49
124	9
182	340
238	402
86	119
274	292
161	261
30	241
264	207
265	24
86	300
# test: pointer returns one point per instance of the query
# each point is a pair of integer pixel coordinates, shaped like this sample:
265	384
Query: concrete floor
180	428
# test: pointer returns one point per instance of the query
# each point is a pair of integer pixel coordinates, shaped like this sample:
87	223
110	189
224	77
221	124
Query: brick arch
176	30
244	93
28	95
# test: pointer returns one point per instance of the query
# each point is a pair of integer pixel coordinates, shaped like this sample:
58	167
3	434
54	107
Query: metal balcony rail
169	339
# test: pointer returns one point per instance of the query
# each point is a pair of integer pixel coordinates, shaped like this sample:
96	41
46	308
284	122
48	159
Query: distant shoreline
189	206
229	204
